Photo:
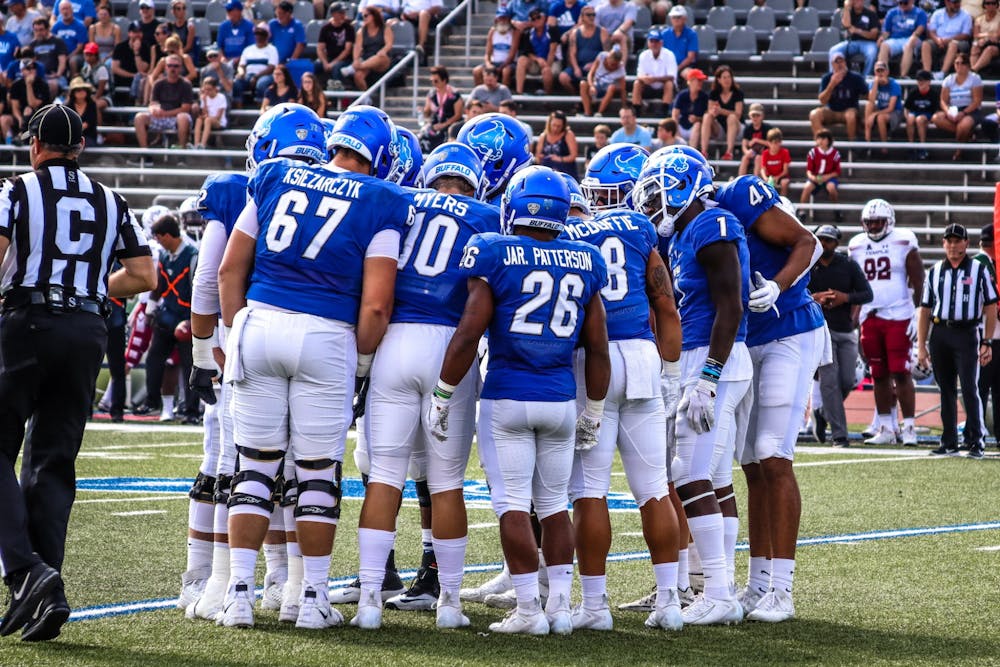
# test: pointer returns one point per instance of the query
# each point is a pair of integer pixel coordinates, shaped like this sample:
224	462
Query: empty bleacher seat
303	11
708	40
722	18
741	42
784	46
403	37
741	7
824	6
806	21
823	40
782	8
762	20
215	12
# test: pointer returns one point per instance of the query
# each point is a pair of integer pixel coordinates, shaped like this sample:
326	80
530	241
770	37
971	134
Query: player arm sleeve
247	222
205	293
384	244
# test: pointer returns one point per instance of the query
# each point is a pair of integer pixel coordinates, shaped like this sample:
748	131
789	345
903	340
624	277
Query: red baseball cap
91	47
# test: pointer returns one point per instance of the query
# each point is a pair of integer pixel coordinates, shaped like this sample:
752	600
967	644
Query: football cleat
274	585
392	586
644	604
749	598
584	618
315	612
505	600
497	584
209	604
192	585
523	622
697	581
421	595
369	616
290	594
667	615
909	436
710	611
774	607
237	610
884	436
686	597
560	617
449	612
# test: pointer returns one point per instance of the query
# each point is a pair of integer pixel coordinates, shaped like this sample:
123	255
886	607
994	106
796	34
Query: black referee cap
957	231
56	125
828	232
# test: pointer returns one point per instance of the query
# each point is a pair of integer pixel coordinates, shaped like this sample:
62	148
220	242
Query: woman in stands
961	103
105	33
81	100
181	26
311	94
985	36
444	107
282	90
725	112
167	45
557	148
371	48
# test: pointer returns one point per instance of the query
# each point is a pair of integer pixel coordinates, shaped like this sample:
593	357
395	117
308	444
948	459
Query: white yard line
152	445
139	513
809	464
143	427
480	526
142	499
993	548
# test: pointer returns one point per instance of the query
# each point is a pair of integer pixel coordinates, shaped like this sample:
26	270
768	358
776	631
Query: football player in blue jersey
611	175
502	146
539	296
431	290
306	283
634	418
710	262
788	341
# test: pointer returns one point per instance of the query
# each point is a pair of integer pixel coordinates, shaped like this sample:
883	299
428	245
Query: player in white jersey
890	260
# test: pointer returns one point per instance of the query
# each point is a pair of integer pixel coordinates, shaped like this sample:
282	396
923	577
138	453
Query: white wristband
671	369
201	351
594	409
364	365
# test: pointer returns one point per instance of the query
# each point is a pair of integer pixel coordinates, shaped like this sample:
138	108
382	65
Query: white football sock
666	579
731	530
295	570
708	535
595	587
887	422
694	557
220	561
242	563
525	588
683	580
276	558
782	573
451	562
908	422
560	582
759	574
374	546
199	553
316	571
426	539
894	413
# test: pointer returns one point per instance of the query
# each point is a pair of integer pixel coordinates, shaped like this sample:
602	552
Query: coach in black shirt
838	284
957	293
60	232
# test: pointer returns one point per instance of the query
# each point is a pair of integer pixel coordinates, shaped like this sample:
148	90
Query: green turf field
887	598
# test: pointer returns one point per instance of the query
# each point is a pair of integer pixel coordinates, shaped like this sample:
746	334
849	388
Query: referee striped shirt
65	231
958	293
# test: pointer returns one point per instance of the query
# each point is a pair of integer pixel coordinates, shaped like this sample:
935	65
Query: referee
60	232
957	292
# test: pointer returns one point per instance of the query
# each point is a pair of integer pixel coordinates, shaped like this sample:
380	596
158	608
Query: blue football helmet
406	158
286	130
328	129
502	145
612	174
368	132
692	153
453	159
668	185
576	198
535	197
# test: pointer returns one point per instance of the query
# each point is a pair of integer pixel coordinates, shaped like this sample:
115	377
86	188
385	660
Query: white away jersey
884	265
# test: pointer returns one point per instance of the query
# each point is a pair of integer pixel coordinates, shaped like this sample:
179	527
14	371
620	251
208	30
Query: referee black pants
160	347
116	369
955	358
48	367
989	385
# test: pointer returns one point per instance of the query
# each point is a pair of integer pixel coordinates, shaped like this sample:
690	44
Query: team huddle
471	294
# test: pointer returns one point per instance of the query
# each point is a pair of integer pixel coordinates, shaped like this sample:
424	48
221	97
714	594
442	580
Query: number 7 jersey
540	290
884	264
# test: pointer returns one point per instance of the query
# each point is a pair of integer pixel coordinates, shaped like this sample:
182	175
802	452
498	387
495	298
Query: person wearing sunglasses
948	33
169	109
985	36
902	33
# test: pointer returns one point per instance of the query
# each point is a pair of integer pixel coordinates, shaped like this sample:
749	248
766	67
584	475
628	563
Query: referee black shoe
945	450
28	590
976	452
48	618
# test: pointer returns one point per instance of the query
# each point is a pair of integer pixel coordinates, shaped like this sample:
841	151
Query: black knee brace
203	489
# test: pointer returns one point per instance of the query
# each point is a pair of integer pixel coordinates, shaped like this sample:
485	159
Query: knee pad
254	483
289	492
319	490
223	484
423	494
203	489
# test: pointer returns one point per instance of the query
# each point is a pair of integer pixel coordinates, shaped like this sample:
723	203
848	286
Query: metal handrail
380	85
453	15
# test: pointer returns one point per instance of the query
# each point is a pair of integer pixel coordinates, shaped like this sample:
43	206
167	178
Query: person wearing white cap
681	40
840	90
656	71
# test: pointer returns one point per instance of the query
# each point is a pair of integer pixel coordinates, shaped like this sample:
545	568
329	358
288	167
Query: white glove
588	425
911	330
437	416
764	294
670	387
202	354
698	405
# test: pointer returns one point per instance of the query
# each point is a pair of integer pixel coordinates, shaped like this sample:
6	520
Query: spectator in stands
51	53
605	79
754	140
564	15
421	13
172	47
602	137
281	90
219	69
235	33
21	20
15	69
885	105
212	109
521	11
97	74
148	23
255	67
691	105
725	112
9	45
105	33
657	9
655	73
862	27
961	103
556	147
156	56
501	50
442	109
775	163
949	30
490	92
902	32
681	40
335	48
989	375
371	50
388	8
584	44
922	102
73	34
985	36
666	135
631	132
81	100
169	108
618	18
129	63
311	94
472	109
538	54
182	27
840	90
27	94
823	171
287	32
509	108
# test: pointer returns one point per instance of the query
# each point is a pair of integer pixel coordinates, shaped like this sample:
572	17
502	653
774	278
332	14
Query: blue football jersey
540	290
431	287
315	228
694	302
747	198
625	239
222	198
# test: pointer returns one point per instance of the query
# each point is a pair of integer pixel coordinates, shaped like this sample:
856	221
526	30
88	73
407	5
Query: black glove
202	385
360	396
